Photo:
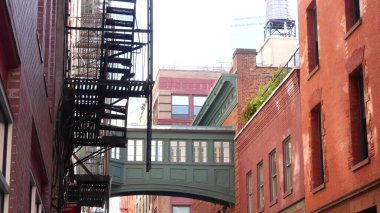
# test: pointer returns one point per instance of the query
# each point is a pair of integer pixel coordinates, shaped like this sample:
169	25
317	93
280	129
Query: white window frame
273	175
220	155
288	182
200	151
156	150
35	200
115	153
177	155
135	156
180	116
260	185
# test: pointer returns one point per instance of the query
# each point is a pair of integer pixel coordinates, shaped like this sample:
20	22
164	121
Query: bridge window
178	151
181	209
221	152
135	150
198	103
200	151
180	107
156	150
115	153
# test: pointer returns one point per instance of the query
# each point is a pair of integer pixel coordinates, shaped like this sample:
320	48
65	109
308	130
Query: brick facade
250	78
28	95
344	45
276	121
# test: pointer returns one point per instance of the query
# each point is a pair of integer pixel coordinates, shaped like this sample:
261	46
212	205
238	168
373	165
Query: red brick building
340	83
28	65
178	95
268	149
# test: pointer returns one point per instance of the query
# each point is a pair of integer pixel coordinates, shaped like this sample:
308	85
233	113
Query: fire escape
109	60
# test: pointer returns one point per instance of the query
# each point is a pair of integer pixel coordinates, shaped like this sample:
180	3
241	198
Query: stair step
112	128
117	46
118	36
113	116
122	11
115	141
119	23
118	70
123	61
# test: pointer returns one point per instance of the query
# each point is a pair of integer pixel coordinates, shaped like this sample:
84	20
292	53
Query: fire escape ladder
109	61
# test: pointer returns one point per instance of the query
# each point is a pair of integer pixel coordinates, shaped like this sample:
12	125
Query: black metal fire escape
109	60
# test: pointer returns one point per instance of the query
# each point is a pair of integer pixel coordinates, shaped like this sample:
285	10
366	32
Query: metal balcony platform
109	88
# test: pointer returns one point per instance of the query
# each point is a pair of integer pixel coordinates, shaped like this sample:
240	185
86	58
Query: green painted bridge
194	162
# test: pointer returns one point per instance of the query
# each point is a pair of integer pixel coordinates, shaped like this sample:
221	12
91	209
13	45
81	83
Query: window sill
353	29
318	188
360	165
273	202
287	193
311	74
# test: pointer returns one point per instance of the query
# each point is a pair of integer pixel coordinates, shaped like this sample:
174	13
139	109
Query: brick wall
27	96
277	120
249	78
342	48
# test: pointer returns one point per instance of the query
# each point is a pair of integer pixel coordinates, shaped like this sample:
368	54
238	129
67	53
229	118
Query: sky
198	33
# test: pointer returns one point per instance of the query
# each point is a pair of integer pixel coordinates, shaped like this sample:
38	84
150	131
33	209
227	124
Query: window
5	148
115	153
181	209
200	151
35	202
135	150
249	191
156	154
260	186
177	151
273	176
352	8
287	165
221	152
180	107
317	147
358	116
198	103
312	32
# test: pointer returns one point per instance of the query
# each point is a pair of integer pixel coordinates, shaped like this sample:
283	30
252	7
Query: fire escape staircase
100	102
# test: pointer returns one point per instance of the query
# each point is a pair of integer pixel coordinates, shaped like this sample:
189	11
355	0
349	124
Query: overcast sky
197	32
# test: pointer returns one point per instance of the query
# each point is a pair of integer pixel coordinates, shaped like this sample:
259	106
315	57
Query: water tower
278	19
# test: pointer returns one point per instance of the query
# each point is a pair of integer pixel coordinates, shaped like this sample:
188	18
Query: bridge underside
123	192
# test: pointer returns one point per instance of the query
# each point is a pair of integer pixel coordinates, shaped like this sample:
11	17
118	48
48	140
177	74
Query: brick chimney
249	78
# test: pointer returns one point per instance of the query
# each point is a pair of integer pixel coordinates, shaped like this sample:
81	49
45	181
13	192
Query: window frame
155	150
287	156
178	157
5	148
260	186
115	153
135	150
249	192
272	176
201	150
200	106
312	29
318	171
222	157
359	139
176	115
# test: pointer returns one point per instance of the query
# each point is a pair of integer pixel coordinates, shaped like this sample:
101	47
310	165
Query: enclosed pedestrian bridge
195	162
